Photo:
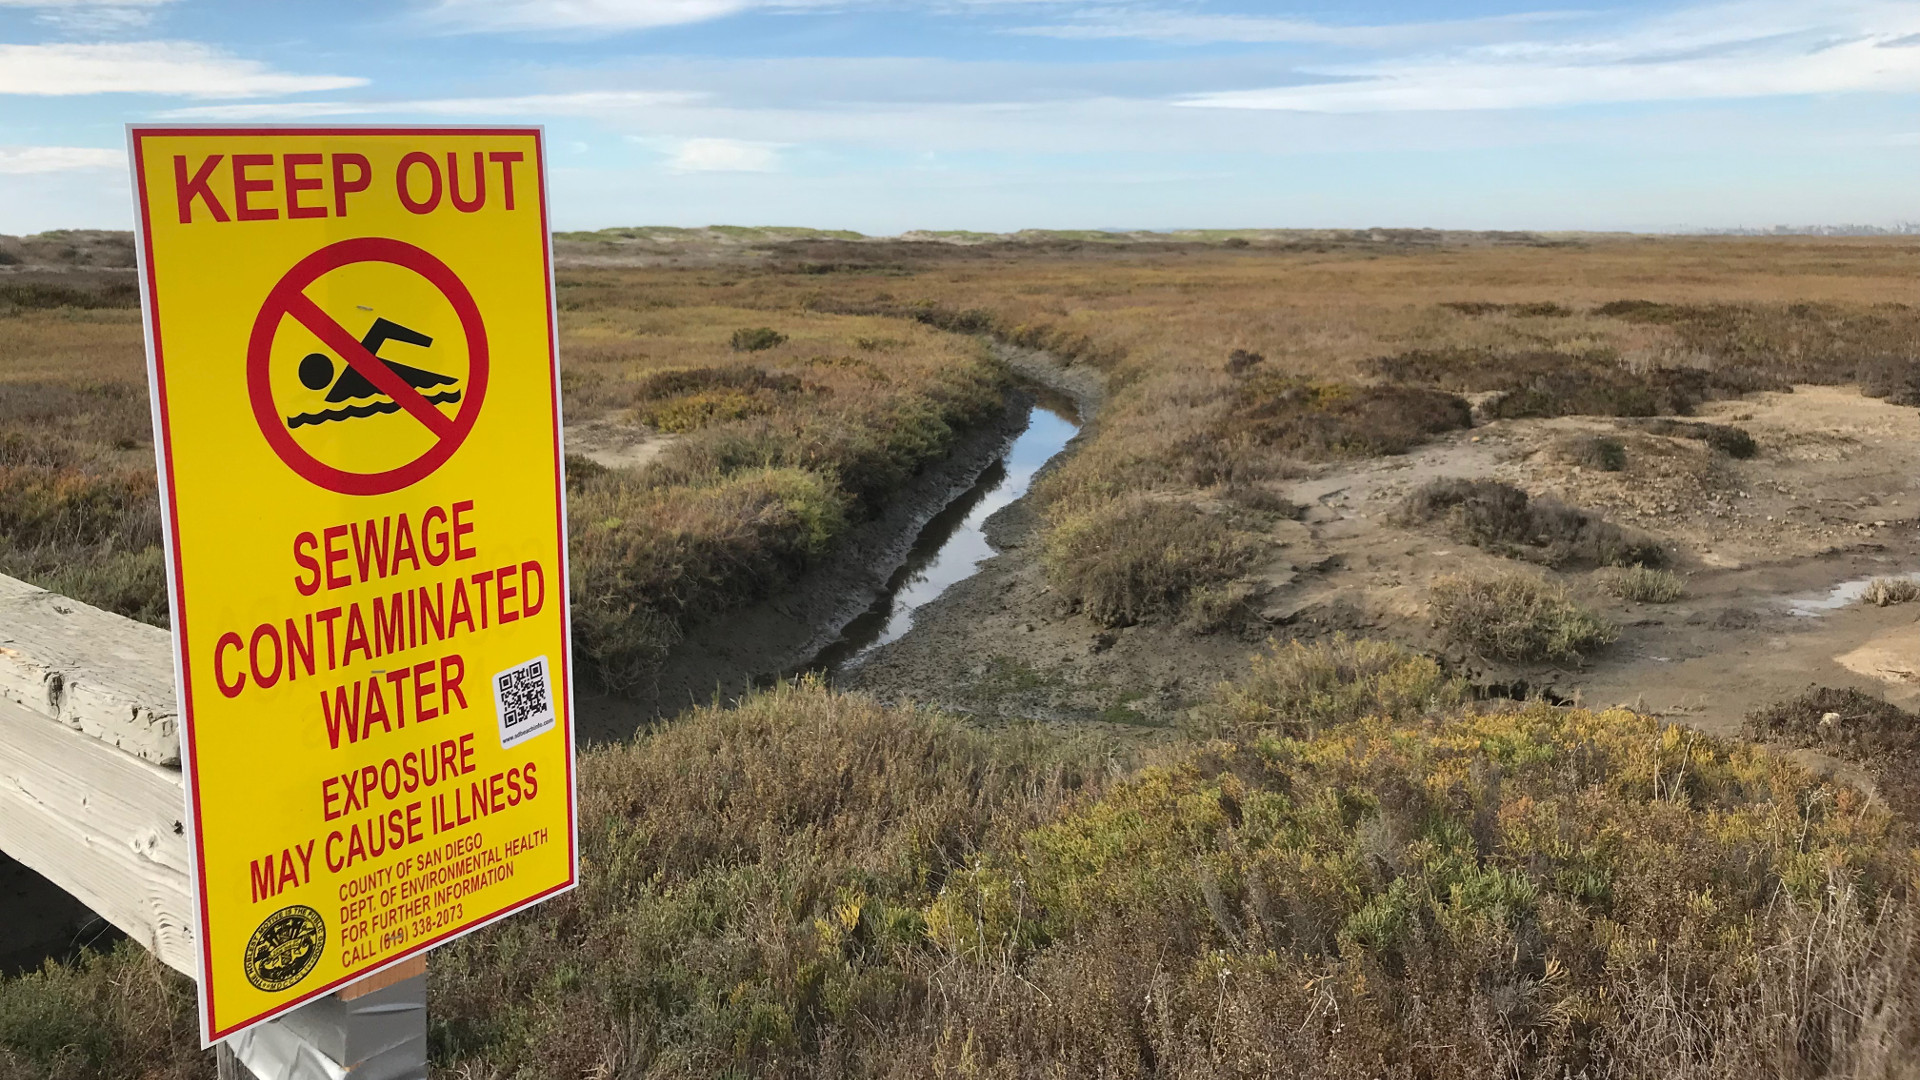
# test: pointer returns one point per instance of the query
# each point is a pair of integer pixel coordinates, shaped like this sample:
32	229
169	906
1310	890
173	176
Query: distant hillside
68	249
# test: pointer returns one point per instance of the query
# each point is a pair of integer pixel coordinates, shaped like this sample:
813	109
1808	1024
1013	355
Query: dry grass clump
1516	617
756	338
1640	584
1797	341
680	400
1300	690
1130	559
1602	453
1540	309
1501	518
1725	438
1885	592
1895	378
1212	608
1321	420
755	882
1540	383
79	506
120	1015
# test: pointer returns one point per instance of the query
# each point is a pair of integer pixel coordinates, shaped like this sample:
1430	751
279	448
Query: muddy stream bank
932	536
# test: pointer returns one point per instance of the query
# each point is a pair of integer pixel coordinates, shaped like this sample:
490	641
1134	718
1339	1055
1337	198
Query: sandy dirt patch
617	445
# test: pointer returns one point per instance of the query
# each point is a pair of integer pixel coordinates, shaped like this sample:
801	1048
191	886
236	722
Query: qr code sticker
525	698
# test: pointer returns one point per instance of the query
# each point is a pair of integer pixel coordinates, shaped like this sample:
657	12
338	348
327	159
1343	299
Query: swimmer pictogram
317	372
363	383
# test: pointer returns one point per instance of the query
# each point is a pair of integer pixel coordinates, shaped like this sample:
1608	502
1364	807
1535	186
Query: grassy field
1234	366
1349	871
1343	864
786	428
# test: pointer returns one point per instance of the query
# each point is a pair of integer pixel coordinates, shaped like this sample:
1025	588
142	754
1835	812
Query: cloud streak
20	160
1190	28
724	155
180	68
1721	51
506	16
584	103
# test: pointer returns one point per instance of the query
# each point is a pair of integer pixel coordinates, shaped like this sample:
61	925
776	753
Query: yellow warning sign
351	349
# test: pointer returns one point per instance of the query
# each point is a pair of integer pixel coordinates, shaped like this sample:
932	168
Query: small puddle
1809	605
953	544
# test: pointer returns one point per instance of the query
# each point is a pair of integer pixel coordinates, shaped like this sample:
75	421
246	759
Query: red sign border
163	448
279	305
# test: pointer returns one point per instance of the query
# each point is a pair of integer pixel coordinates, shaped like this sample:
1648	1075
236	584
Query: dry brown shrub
1317	420
1535	383
1497	516
1862	729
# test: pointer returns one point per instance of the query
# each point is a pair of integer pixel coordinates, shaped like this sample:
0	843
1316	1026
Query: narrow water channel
953	544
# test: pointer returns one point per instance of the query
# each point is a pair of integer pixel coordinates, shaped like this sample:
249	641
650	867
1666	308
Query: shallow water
1837	597
953	544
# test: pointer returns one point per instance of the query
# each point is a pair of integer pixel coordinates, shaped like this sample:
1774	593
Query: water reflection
954	543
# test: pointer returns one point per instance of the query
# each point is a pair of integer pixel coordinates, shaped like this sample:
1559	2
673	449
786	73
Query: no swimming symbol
317	373
376	385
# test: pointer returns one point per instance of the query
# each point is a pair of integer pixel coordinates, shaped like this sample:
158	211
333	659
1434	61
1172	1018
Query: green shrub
1640	584
756	339
1485	894
1131	559
1516	617
1303	689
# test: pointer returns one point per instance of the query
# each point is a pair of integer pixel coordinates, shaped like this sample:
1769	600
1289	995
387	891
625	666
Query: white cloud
724	155
501	15
1756	48
46	159
578	15
1193	28
78	5
584	103
184	68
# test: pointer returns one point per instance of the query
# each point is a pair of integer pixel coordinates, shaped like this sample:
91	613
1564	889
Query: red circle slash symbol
289	298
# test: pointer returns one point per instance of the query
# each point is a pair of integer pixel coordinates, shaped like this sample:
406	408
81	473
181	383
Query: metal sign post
375	1029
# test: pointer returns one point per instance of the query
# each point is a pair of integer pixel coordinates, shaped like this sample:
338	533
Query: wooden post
91	799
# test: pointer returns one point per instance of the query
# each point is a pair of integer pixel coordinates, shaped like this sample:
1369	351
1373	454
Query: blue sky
888	115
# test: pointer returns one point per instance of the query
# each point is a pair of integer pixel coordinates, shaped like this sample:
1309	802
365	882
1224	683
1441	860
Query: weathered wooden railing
91	799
